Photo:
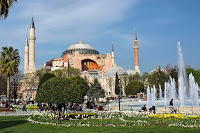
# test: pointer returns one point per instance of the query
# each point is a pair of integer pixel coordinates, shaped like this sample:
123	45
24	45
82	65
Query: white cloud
61	22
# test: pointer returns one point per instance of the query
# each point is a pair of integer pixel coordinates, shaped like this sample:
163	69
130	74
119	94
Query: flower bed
125	118
31	107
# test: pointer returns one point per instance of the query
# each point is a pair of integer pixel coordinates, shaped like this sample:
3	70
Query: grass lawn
18	124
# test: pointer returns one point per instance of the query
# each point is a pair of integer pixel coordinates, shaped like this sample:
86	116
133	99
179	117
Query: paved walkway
16	113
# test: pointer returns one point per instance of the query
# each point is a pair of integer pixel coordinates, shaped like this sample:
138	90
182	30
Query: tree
41	72
95	90
117	88
134	87
53	91
59	90
44	78
144	76
69	72
15	83
5	6
158	77
80	85
3	85
58	73
136	76
9	63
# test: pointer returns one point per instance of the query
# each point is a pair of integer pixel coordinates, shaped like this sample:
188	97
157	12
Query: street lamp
119	94
117	88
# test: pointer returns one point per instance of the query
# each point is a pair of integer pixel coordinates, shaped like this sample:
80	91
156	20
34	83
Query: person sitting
152	109
171	107
100	108
80	108
144	108
11	107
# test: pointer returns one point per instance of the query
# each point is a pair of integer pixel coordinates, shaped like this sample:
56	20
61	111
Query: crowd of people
153	108
77	107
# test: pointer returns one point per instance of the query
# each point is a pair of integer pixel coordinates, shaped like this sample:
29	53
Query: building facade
94	65
29	83
81	56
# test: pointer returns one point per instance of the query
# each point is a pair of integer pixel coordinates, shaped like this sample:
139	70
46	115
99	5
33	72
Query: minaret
113	56
136	54
26	57
32	38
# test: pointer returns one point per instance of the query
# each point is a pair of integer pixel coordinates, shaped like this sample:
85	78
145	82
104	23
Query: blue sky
160	24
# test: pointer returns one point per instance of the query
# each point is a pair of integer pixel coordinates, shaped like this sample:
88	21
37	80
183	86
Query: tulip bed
19	124
115	119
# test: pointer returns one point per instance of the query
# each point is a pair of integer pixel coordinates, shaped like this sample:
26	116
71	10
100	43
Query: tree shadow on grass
8	124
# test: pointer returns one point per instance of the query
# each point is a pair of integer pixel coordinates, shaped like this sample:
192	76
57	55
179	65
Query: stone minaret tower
26	57
113	56
136	54
32	38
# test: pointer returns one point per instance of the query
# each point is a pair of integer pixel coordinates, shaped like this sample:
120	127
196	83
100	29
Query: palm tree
9	63
5	6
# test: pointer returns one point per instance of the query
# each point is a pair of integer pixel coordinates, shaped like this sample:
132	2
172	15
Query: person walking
24	106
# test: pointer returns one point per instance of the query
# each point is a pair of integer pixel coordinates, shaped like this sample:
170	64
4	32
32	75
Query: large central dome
82	48
80	45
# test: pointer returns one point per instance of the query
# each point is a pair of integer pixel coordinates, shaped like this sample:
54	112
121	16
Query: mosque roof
81	47
115	69
131	72
157	69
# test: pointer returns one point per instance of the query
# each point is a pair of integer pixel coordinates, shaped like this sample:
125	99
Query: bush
134	87
59	90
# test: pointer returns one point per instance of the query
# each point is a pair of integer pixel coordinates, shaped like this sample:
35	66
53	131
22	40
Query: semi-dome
158	69
82	48
131	72
115	69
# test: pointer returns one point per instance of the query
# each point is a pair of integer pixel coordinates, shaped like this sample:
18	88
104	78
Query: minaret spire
26	56
32	23
112	47
135	35
32	67
26	41
136	54
113	56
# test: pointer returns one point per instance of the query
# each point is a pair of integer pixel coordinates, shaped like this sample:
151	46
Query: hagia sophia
85	58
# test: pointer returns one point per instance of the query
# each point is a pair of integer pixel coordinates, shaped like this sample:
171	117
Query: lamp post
119	94
117	88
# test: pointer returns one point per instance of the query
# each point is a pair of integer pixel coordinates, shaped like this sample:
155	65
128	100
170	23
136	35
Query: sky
159	24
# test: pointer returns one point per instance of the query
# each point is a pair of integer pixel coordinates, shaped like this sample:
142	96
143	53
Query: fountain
187	94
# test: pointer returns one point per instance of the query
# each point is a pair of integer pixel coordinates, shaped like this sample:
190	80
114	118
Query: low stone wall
179	110
159	110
